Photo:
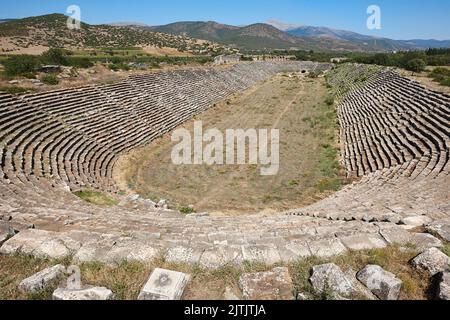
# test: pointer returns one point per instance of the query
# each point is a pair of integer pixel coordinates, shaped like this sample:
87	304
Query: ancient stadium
86	180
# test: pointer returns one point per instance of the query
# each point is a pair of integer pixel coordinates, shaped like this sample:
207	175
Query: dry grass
13	269
127	279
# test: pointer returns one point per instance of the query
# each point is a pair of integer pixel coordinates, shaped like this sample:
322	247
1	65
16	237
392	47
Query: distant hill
51	31
363	41
5	20
255	36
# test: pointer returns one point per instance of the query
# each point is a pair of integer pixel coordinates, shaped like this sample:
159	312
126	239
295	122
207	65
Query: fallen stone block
42	279
441	228
432	260
272	285
93	293
380	282
164	285
443	292
330	276
6	231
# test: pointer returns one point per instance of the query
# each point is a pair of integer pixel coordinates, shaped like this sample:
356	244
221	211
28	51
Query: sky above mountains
400	19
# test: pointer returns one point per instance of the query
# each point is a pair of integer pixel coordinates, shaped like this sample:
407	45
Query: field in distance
301	107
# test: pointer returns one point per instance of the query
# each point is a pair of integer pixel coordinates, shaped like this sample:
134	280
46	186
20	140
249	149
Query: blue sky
401	19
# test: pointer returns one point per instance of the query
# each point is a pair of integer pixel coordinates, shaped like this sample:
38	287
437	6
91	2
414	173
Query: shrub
50	79
21	65
118	66
441	75
415	65
79	62
55	56
187	210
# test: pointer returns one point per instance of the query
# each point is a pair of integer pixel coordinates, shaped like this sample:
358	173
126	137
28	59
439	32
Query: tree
55	56
416	65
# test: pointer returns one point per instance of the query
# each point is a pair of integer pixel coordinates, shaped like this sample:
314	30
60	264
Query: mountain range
279	35
50	30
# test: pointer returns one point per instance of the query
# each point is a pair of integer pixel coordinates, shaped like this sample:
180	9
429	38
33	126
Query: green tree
416	65
55	56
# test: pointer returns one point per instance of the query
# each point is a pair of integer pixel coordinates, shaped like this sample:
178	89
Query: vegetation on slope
51	31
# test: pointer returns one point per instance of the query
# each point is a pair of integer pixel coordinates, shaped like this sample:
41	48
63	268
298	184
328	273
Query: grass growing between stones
14	269
95	197
127	279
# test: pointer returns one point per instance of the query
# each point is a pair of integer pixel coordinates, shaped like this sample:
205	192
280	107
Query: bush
50	79
441	75
118	66
415	65
21	65
55	56
79	62
187	210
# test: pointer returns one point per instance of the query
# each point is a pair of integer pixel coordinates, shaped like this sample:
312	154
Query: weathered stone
383	284
42	279
25	242
326	248
94	251
272	285
361	291
402	237
229	295
441	228
416	221
443	292
183	255
53	248
363	242
6	231
218	257
261	253
164	285
121	252
93	293
330	276
294	250
432	260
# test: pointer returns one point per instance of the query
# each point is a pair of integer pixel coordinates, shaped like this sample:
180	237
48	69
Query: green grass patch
50	79
187	210
96	197
16	90
441	75
446	249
